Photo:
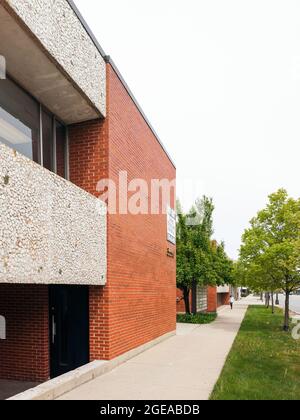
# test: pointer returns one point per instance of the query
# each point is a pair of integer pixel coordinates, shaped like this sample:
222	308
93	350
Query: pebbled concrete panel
56	26
223	289
51	232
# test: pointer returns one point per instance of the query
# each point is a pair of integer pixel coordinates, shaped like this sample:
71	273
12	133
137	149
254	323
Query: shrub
201	318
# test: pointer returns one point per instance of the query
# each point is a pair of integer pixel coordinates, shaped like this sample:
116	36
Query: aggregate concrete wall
51	232
56	26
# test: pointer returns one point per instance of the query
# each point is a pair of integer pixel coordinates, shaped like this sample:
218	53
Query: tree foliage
270	248
200	260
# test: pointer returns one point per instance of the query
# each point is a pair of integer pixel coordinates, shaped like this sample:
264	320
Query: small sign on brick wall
171	223
2	328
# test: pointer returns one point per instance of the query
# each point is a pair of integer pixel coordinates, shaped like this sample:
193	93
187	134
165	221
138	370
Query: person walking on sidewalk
231	302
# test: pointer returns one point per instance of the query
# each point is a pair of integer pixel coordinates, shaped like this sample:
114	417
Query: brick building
205	299
77	284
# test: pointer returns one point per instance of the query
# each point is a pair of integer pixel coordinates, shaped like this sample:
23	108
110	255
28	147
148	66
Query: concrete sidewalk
184	367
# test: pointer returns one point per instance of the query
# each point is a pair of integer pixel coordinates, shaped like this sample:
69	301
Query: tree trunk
194	298
286	326
273	309
186	297
277	299
267	300
262	297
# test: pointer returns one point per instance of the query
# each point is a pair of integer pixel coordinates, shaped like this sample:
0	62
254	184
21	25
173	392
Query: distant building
206	299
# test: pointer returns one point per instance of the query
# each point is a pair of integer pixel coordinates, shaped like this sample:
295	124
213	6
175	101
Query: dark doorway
69	328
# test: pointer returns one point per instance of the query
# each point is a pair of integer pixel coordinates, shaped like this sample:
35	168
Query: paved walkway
184	367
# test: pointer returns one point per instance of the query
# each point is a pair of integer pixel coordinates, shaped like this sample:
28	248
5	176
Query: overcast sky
220	82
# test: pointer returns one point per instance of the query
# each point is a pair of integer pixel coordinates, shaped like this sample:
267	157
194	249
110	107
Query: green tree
270	250
185	257
200	261
223	266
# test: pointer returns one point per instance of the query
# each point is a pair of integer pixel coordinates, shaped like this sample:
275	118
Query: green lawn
196	319
264	363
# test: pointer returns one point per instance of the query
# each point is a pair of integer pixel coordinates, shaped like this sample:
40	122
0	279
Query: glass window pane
19	120
60	149
47	124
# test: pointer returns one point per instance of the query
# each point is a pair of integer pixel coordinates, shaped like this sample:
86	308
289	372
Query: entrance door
69	328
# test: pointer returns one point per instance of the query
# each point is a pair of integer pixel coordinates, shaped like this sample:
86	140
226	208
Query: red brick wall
226	298
212	299
99	323
180	301
88	154
138	304
223	299
88	163
141	278
24	355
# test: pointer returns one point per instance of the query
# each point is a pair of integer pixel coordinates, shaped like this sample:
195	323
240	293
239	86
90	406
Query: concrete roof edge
86	27
109	60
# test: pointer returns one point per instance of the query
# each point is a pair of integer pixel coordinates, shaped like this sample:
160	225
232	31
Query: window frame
55	120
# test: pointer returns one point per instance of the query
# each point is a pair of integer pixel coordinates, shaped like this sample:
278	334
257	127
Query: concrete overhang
52	232
48	52
223	289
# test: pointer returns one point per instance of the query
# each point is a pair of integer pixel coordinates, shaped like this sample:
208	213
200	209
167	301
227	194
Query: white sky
220	82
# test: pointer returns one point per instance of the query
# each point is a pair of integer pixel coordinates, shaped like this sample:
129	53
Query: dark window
48	139
60	149
19	120
22	121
